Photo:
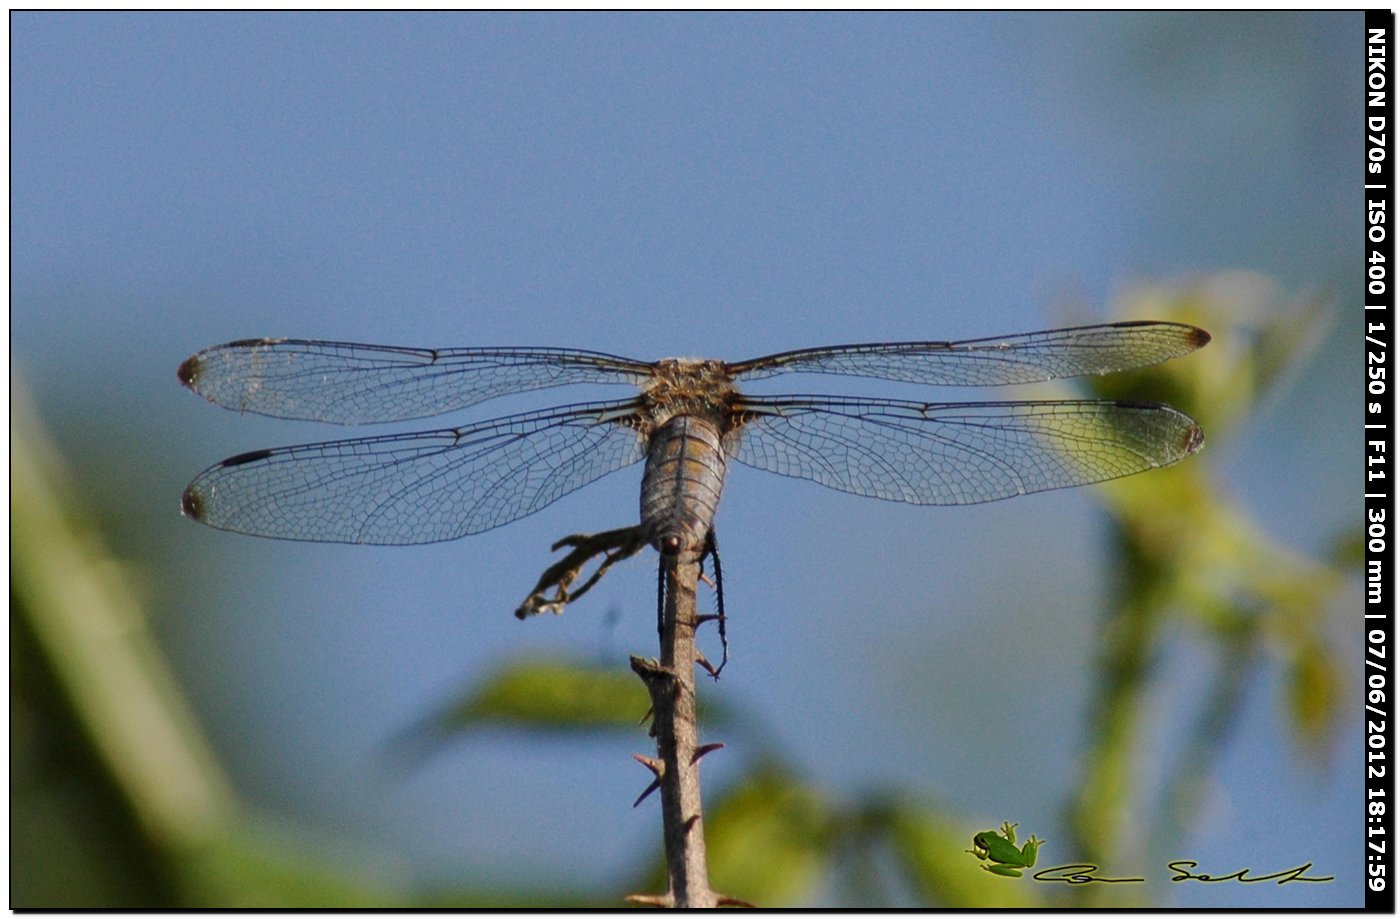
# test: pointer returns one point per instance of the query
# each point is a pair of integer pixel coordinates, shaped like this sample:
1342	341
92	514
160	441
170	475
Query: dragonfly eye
670	545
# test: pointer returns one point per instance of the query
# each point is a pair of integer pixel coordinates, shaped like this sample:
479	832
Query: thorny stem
671	684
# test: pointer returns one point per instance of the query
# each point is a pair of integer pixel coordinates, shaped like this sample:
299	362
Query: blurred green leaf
545	695
541	695
118	800
1347	550
75	840
261	867
769	838
1314	692
552	694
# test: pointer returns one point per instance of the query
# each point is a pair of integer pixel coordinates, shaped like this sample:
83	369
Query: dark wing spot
189	371
1195	439
1199	337
191	504
251	456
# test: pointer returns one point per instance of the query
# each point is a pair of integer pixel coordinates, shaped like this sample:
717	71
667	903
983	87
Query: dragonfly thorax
685	386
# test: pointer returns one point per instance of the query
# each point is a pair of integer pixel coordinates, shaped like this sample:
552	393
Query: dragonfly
687	419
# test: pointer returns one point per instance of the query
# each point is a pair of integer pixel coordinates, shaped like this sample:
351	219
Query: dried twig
614	545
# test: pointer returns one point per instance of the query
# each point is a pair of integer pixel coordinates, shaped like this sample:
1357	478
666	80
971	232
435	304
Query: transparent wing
356	384
958	453
1027	358
401	489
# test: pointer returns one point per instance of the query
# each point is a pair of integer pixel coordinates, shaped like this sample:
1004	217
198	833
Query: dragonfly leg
661	599
712	550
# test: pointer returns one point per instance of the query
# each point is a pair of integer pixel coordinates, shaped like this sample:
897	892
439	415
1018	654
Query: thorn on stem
701	751
657	767
655	784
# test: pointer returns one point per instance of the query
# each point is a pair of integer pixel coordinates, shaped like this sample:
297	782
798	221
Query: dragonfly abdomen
682	483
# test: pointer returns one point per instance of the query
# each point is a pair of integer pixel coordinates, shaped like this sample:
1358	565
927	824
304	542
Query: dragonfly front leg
712	550
661	599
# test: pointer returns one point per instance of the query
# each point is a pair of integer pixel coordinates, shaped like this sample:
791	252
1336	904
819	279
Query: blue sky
721	186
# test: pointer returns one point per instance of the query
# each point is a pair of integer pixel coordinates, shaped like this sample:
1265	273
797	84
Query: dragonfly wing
356	384
958	453
400	489
1031	357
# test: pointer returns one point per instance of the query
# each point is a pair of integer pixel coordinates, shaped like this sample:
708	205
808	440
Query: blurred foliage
74	839
557	695
1186	560
117	802
115	799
